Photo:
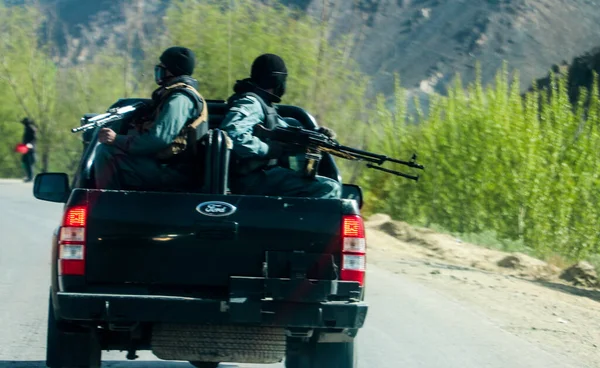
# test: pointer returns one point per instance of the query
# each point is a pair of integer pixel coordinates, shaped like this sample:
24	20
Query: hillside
427	41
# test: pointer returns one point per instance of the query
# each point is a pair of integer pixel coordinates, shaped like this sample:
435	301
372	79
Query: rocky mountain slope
428	41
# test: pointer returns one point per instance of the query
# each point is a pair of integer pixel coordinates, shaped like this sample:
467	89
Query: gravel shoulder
528	300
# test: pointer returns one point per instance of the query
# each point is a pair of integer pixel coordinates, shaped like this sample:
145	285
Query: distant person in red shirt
29	139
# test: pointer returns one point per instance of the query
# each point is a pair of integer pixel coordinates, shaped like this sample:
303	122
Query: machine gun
313	143
112	115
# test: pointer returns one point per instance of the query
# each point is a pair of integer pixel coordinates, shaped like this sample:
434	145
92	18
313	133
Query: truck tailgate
183	239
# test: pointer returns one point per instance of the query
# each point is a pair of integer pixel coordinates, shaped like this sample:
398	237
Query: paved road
408	326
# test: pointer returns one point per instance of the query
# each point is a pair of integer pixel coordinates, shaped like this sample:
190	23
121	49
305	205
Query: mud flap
71	346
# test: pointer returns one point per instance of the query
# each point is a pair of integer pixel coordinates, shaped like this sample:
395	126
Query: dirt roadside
527	299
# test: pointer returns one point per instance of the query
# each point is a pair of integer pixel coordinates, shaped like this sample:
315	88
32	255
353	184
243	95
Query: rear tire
70	346
322	355
205	364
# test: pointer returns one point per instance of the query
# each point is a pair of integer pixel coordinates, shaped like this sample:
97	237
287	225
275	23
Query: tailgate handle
216	230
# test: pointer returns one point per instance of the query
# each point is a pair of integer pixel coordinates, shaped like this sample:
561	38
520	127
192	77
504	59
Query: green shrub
522	168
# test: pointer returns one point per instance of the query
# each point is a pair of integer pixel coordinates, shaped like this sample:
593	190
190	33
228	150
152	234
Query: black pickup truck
204	275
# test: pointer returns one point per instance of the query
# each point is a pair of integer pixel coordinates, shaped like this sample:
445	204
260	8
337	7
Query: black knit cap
268	70
179	60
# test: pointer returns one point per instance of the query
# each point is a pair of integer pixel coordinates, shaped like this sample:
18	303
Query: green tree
27	74
228	36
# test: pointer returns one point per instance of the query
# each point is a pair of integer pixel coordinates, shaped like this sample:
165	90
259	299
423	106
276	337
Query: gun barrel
398	173
356	153
103	119
79	129
407	163
379	159
97	123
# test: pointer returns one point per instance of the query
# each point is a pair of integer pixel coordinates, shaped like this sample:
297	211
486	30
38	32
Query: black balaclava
178	60
269	71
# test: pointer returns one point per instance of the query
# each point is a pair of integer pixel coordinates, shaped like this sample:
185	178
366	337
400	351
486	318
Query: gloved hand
106	135
279	149
328	132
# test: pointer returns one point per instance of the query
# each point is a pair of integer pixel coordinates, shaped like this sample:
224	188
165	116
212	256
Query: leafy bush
525	168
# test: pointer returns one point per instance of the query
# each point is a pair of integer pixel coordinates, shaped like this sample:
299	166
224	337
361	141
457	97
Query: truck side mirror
52	187
351	191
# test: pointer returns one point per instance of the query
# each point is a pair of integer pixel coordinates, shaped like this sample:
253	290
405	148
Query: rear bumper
293	303
116	308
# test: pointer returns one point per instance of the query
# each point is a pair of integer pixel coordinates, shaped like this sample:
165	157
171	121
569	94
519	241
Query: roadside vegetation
521	169
508	171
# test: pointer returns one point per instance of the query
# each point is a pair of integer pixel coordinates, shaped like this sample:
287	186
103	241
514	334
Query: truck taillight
71	242
354	249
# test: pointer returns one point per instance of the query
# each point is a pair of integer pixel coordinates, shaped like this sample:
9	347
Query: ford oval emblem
216	209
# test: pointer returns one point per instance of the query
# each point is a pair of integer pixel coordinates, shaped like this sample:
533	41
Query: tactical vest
245	166
193	129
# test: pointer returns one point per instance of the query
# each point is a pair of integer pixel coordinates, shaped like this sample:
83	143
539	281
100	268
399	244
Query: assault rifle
313	143
110	116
